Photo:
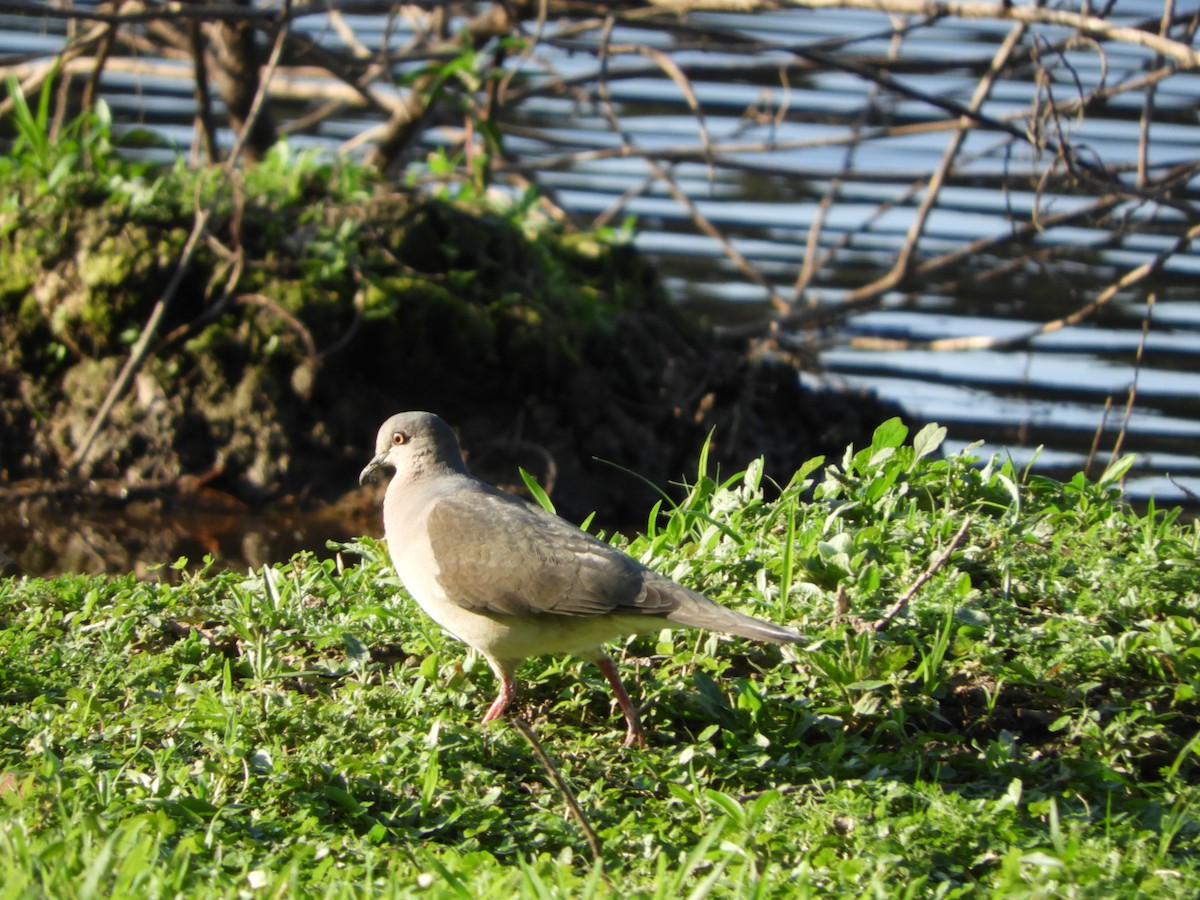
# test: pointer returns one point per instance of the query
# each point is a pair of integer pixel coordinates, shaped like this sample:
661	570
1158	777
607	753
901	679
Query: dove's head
414	445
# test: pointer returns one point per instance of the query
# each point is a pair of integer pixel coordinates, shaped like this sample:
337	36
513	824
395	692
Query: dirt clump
553	352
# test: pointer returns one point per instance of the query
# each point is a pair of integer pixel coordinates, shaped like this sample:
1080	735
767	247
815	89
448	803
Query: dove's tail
697	611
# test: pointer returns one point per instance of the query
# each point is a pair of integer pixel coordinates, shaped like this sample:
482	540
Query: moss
17	276
320	305
260	456
349	307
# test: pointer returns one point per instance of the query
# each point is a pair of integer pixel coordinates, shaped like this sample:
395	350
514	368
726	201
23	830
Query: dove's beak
371	472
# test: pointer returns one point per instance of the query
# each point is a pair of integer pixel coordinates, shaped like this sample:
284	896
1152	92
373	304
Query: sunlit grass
1025	726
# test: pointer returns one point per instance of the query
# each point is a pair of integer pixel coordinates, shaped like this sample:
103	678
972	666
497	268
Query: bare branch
934	565
1129	279
1092	26
867	225
141	347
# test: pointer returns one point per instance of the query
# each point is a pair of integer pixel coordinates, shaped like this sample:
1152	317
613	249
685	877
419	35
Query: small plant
80	149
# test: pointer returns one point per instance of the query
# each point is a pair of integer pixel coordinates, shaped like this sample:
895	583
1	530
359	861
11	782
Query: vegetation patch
999	699
320	300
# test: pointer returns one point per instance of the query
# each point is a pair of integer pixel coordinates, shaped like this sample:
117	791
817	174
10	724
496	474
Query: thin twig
1187	492
568	796
1097	435
668	181
814	260
988	342
1130	278
1024	233
137	355
293	322
933	185
204	108
109	38
1137	368
1148	106
936	563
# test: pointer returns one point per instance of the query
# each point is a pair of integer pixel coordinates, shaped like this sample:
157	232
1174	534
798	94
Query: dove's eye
398	438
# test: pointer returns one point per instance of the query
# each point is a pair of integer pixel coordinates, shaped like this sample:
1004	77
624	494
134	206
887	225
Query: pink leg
508	692
634	734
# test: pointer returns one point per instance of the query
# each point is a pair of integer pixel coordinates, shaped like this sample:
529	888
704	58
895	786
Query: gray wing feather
496	553
697	611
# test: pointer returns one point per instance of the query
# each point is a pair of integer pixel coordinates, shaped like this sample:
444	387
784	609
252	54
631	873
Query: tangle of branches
999	102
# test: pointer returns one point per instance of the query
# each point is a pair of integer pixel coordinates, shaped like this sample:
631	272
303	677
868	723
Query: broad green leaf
890	434
928	440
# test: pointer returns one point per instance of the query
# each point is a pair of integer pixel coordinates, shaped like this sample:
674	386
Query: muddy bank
301	326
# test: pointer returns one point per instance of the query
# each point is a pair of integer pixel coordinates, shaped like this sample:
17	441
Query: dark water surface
1065	391
151	537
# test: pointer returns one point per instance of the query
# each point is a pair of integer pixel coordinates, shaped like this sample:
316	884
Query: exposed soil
551	354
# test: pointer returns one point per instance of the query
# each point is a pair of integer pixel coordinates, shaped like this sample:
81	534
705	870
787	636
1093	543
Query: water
758	162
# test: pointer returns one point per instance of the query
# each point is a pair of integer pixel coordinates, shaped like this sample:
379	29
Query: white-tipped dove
514	581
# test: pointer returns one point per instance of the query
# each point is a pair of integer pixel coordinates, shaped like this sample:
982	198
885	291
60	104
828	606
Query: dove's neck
430	464
411	497
418	485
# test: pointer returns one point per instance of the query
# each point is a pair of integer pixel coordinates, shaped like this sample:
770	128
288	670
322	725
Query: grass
1026	725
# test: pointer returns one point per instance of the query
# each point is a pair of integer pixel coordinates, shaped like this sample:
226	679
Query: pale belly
516	638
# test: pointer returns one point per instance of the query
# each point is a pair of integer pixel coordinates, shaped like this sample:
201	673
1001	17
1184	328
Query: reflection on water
147	538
